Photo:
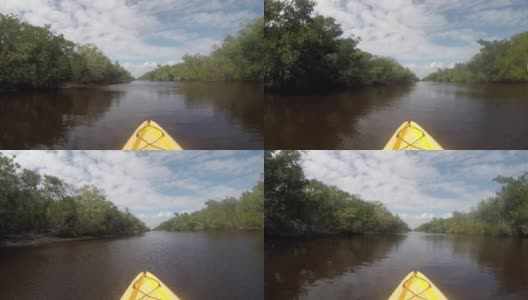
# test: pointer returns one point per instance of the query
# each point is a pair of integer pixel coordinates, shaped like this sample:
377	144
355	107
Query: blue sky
140	33
422	34
417	185
153	185
427	34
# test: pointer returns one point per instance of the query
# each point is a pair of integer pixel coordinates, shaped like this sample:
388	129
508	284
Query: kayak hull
416	286
146	286
411	136
150	136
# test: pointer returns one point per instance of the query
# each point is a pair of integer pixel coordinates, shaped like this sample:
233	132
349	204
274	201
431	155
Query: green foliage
228	214
498	61
459	73
284	192
32	203
35	57
504	214
295	205
238	58
89	65
305	50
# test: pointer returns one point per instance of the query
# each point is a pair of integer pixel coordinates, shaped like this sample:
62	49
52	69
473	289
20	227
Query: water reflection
463	267
200	115
460	116
505	258
323	121
42	119
292	266
242	102
197	266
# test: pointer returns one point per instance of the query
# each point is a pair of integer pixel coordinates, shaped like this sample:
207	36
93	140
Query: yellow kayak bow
150	136
416	286
411	136
147	287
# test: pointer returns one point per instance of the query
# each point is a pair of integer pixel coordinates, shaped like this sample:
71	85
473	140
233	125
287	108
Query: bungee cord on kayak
149	143
151	136
139	290
401	136
147	286
408	286
411	136
417	286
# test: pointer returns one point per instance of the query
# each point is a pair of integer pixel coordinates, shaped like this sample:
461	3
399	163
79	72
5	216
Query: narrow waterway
199	115
202	265
370	267
459	116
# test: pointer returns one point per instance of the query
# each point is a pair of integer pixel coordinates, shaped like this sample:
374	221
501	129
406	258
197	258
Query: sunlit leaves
498	61
229	214
237	58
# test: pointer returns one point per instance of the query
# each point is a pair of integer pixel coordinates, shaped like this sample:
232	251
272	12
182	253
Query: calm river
212	265
199	115
459	116
371	267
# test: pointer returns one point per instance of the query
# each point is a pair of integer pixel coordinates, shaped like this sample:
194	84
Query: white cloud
391	28
124	30
467	35
139	69
152	220
418	32
417	186
153	184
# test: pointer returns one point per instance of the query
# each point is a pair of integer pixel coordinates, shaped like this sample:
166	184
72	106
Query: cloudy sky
417	185
140	33
153	185
427	34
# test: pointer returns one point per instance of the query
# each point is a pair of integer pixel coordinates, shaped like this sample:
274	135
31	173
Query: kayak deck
415	286
150	136
146	286
411	136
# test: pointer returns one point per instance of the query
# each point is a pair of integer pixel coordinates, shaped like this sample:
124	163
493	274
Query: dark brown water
193	265
199	115
459	116
371	267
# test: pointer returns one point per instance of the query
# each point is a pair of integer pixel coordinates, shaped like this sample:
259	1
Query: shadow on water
505	258
199	115
329	119
459	116
241	102
370	267
42	119
292	265
195	265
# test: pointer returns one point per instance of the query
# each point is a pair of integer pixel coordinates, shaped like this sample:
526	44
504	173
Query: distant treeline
297	206
498	61
306	51
238	58
228	214
35	57
32	203
505	214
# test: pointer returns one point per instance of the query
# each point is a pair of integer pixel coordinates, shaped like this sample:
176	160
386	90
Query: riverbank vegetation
237	58
498	61
35	57
296	206
307	51
37	205
245	213
505	214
